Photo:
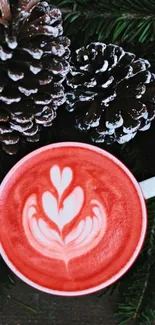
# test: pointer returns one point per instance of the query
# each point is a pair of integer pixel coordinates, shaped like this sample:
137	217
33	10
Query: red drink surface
73	219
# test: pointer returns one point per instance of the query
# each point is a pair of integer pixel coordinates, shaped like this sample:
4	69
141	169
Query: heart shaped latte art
50	242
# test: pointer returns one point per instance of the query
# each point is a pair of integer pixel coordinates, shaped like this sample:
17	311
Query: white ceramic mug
148	188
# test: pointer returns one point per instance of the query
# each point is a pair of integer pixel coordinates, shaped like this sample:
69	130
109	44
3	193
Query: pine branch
109	18
137	291
137	287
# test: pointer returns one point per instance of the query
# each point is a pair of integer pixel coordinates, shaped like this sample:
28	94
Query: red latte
73	219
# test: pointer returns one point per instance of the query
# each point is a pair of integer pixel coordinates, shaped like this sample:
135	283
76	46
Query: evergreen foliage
137	289
127	23
110	18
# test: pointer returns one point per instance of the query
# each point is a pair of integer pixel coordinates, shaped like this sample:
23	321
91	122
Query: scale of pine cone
33	64
112	93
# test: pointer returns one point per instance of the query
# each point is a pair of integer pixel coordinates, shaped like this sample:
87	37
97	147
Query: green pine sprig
137	288
109	19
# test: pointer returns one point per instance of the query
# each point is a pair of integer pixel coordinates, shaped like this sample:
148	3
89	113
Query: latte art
82	237
72	219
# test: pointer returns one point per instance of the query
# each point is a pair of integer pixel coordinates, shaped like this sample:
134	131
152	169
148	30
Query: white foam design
84	235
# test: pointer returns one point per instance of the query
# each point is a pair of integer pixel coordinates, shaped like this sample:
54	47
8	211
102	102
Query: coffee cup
73	218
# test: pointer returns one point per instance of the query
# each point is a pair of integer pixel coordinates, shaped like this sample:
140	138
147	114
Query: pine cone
33	64
111	92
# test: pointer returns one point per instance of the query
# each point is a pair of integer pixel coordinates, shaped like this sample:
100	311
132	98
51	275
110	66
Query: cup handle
148	188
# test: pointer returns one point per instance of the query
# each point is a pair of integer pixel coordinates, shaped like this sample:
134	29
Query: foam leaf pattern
83	236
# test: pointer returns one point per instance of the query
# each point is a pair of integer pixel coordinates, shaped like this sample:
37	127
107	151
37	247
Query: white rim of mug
134	256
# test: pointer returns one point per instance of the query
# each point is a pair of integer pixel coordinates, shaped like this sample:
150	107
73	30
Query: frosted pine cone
33	64
111	92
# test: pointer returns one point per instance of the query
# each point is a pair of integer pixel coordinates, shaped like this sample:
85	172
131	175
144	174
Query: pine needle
137	291
22	304
112	18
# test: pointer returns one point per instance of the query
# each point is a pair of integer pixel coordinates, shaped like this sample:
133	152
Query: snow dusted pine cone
112	92
33	64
